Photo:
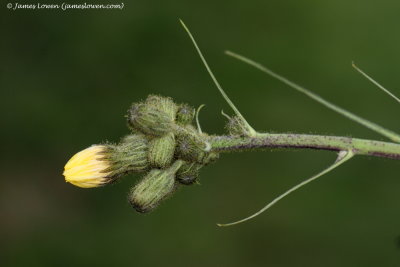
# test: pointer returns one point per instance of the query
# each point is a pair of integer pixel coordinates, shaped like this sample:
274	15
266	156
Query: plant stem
305	141
373	126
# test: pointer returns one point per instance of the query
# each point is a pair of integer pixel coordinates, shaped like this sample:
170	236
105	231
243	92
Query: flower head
99	165
88	168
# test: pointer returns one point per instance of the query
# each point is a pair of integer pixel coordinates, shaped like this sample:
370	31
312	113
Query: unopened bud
185	114
165	104
161	150
194	147
153	188
149	119
236	126
188	173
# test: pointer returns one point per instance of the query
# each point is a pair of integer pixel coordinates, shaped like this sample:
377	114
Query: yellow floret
86	168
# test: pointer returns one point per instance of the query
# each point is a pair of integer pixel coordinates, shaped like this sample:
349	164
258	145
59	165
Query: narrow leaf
373	126
225	96
342	158
375	82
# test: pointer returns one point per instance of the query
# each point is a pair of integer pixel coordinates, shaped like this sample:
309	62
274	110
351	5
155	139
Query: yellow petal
86	168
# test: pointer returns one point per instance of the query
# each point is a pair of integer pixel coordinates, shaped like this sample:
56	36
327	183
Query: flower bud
190	144
164	104
185	114
188	173
153	188
161	150
99	165
193	147
149	119
236	126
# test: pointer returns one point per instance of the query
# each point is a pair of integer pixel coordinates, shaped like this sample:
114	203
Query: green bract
153	188
149	119
129	156
161	150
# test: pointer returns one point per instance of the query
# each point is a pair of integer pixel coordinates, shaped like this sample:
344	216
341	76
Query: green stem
305	141
373	126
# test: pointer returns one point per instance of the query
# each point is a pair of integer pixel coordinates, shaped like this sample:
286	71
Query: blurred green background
68	77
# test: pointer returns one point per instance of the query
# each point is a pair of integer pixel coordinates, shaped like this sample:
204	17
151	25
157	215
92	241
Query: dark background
67	79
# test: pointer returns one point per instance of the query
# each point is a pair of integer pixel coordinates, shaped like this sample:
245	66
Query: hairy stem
373	126
305	141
